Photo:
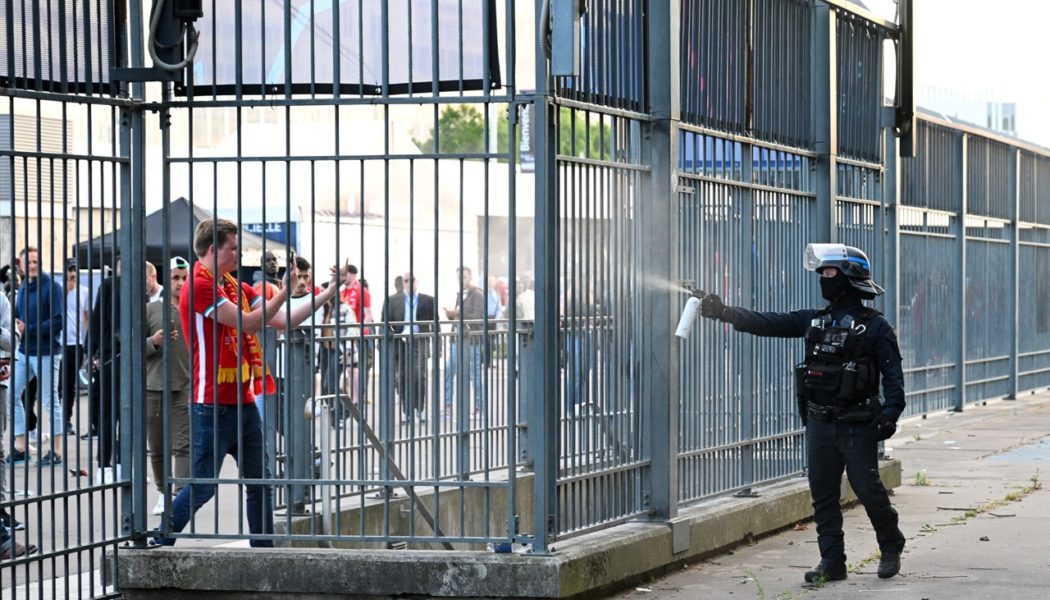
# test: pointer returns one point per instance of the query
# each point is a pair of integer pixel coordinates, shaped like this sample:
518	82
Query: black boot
889	564
826	571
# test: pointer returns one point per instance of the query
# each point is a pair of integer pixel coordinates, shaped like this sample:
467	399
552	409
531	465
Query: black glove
884	427
711	307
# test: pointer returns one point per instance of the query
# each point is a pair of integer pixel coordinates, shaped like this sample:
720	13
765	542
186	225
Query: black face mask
836	288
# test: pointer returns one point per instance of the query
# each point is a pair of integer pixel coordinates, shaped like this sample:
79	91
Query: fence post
959	170
298	450
891	233
1015	265
133	305
543	414
526	390
745	201
659	260
824	118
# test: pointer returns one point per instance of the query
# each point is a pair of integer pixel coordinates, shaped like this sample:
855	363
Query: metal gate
67	171
505	248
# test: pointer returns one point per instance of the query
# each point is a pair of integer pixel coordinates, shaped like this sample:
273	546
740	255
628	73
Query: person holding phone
162	320
470	312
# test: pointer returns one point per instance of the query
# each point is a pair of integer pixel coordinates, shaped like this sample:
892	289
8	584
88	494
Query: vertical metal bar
166	396
825	118
660	222
747	199
9	25
514	371
238	53
959	170
543	414
133	212
892	233
1014	278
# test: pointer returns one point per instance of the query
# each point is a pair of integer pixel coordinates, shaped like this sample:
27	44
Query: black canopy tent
183	220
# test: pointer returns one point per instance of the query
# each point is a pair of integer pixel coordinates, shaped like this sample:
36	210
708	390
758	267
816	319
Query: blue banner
281	232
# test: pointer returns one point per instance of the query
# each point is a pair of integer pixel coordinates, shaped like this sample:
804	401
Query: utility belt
862	412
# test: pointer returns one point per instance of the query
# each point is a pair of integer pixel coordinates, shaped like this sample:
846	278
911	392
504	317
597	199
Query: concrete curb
603	560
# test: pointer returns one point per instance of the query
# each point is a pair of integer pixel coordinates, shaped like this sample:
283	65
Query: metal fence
703	142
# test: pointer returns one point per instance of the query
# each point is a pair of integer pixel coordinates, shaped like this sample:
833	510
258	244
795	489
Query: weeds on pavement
1007	499
758	585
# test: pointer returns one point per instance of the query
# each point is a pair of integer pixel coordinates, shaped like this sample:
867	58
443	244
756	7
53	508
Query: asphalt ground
973	507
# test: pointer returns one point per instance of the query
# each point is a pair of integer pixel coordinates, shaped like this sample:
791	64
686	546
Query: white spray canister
685	323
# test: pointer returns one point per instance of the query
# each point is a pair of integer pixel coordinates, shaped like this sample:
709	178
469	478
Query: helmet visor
818	255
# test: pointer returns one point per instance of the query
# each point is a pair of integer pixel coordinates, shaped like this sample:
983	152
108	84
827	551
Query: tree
462	131
579	140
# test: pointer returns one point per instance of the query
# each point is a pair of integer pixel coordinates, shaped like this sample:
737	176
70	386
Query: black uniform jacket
796	323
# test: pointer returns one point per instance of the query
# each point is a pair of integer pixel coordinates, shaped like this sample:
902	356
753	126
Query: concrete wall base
580	566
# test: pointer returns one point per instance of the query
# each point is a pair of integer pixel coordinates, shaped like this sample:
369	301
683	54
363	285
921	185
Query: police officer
848	346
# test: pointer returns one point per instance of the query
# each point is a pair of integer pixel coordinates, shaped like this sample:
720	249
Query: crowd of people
214	353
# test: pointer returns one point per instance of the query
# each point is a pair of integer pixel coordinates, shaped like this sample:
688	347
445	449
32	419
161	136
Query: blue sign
281	232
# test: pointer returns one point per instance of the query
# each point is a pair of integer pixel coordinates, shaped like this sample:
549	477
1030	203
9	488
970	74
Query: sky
983	49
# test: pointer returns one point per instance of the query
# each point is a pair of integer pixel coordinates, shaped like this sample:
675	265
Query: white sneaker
158	508
104	476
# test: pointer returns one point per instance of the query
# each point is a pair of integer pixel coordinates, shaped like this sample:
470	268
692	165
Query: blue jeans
215	436
581	352
45	369
832	447
475	373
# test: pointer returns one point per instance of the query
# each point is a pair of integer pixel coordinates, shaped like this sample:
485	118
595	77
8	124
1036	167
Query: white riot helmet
850	261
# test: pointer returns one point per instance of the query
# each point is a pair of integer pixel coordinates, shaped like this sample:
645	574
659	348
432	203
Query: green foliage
461	130
920	479
575	138
579	140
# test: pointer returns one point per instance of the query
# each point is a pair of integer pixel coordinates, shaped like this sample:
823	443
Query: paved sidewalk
969	536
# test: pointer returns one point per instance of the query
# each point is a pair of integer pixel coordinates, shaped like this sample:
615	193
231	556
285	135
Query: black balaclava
838	289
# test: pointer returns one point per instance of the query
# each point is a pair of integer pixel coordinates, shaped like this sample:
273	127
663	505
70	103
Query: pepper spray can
685	323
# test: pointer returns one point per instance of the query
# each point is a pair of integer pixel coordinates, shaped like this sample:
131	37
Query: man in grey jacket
469	312
162	318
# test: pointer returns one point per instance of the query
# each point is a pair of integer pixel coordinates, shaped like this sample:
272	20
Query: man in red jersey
221	317
357	297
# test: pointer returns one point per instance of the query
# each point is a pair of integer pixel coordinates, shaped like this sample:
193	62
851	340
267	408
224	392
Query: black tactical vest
840	365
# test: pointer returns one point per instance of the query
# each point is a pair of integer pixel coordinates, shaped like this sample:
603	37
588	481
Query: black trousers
108	415
833	447
410	374
71	357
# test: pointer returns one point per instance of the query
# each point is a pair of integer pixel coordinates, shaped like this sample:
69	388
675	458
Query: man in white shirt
74	334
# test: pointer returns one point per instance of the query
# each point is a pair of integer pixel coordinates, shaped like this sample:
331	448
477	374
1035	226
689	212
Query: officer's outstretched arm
768	324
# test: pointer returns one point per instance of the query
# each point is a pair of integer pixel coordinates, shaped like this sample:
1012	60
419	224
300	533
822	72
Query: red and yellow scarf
252	366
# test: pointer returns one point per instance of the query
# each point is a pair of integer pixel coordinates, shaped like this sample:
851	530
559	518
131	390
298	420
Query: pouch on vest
822	379
862	412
